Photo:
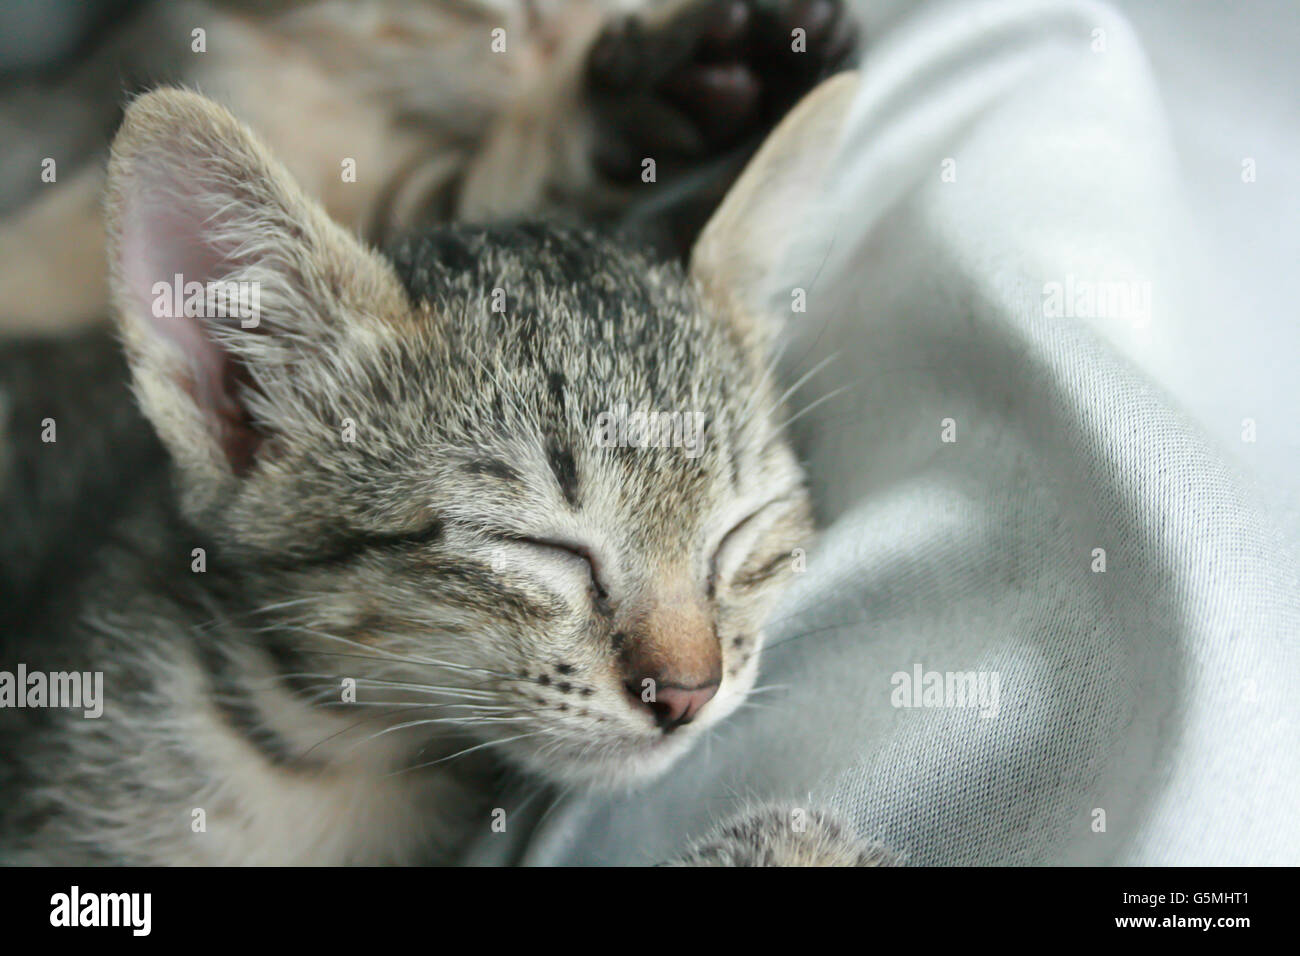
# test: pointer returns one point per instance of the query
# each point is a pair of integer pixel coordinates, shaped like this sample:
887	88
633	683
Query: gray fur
400	560
390	483
778	835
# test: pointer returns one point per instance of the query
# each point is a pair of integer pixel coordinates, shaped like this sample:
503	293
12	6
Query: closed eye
574	550
347	545
729	539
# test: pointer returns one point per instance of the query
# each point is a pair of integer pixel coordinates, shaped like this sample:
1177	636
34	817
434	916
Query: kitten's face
519	477
477	518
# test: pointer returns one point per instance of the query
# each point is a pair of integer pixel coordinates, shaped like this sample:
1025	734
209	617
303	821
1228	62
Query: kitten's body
199	715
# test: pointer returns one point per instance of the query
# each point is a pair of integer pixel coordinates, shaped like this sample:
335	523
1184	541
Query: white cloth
996	148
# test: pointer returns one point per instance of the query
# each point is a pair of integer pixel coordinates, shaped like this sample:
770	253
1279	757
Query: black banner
934	905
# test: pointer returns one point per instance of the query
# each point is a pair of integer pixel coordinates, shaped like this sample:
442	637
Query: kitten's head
520	481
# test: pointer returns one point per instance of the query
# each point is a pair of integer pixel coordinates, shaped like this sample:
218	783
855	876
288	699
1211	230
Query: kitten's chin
619	763
618	766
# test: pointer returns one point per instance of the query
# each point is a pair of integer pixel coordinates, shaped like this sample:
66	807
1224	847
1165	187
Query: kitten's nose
671	657
671	705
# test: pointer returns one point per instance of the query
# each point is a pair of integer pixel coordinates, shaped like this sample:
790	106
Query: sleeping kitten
383	538
398	113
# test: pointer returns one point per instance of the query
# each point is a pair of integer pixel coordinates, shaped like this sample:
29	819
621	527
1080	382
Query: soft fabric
1109	532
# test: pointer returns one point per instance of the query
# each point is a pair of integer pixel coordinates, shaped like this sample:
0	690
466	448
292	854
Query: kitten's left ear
231	288
759	233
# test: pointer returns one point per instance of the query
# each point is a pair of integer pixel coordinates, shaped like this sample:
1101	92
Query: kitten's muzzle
672	662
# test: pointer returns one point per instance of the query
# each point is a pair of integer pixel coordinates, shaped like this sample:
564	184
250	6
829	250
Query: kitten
398	113
377	545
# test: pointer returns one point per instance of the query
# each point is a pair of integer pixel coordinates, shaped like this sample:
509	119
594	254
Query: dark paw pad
718	75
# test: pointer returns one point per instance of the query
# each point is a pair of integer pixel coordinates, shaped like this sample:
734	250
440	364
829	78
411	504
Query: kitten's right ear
195	204
760	235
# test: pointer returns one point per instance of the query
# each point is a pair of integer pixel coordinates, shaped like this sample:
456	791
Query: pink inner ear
165	232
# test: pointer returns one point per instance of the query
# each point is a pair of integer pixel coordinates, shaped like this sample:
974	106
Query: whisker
389	657
459	721
764	382
837	626
468	750
401	709
812	405
804	378
400	685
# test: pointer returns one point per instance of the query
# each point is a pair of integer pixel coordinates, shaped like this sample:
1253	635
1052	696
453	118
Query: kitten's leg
697	90
712	75
694	85
777	835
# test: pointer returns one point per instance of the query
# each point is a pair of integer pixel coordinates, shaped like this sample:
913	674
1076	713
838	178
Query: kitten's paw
714	76
784	836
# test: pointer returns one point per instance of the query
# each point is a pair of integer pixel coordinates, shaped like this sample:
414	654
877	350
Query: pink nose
674	706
